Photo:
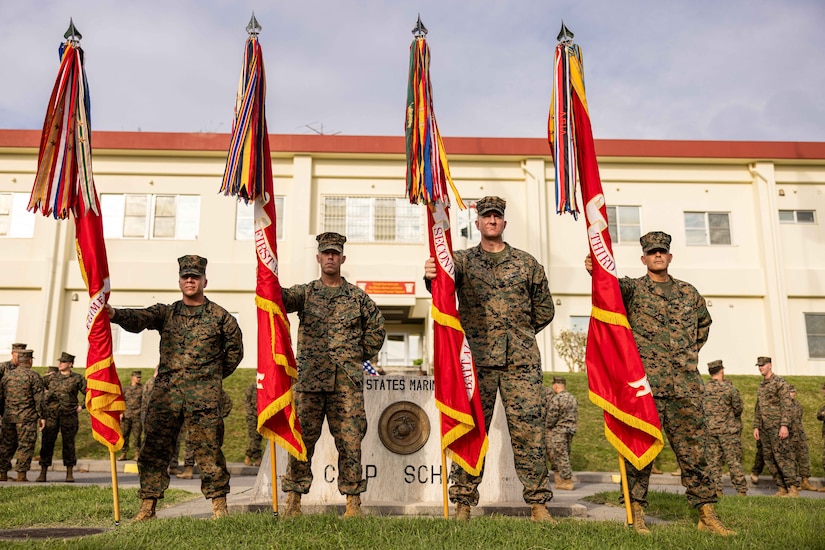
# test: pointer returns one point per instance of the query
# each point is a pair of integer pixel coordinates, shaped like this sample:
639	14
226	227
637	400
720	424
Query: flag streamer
615	373
248	176
463	434
64	183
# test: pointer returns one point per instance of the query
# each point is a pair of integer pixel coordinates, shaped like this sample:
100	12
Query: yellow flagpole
444	475
625	491
113	462
273	463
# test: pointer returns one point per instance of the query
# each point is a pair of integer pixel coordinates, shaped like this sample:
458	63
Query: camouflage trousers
683	420
727	449
253	448
165	415
799	443
347	421
522	395
66	425
20	437
758	459
131	429
779	457
558	453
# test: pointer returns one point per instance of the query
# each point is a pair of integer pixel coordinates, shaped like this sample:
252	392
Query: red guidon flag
615	373
64	183
463	434
248	176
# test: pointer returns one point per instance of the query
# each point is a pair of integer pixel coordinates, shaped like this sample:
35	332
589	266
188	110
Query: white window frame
702	236
411	349
817	337
186	218
619	225
9	318
125	342
580	323
15	221
792	216
245	220
359	219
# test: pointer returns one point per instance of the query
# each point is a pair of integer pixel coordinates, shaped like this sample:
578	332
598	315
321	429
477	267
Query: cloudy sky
677	69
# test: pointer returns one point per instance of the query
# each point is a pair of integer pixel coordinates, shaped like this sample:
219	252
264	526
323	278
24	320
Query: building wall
759	287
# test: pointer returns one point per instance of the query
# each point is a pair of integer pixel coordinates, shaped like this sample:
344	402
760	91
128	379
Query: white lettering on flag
262	246
259	379
595	233
441	224
642	385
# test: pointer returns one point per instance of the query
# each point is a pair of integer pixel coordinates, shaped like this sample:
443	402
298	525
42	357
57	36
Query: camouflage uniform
189	449
670	324
61	404
773	410
799	441
504	301
199	346
820	415
561	423
21	399
250	402
130	424
723	415
340	328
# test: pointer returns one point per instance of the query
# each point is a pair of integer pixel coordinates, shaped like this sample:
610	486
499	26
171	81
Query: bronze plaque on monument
403	427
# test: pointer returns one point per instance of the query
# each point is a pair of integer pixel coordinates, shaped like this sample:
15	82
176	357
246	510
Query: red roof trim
394	145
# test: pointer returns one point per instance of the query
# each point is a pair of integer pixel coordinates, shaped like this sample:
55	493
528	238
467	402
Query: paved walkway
564	503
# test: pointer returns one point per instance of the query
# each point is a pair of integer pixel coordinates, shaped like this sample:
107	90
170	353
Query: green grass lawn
590	451
761	522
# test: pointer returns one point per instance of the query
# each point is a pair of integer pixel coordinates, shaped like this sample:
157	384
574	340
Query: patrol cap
559	380
25	355
331	241
18	346
791	388
762	360
715	366
137	373
65	358
655	240
192	265
490	204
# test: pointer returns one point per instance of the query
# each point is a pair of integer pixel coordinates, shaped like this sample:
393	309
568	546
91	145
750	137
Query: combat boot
676	473
638	514
42	477
709	521
655	470
4	476
540	513
462	512
247	461
69	474
556	478
293	505
21	476
755	479
219	507
147	510
186	473
742	492
121	456
781	492
137	455
353	507
793	492
257	462
564	485
806	485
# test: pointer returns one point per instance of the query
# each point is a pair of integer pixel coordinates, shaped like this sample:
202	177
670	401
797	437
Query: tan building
744	218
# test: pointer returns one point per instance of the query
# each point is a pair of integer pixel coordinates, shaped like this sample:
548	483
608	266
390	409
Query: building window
245	220
797	216
15	221
8	328
150	216
373	219
579	323
467	223
624	224
707	228
124	342
400	349
815	330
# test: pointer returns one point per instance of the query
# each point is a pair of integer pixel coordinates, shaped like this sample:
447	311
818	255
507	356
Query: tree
571	346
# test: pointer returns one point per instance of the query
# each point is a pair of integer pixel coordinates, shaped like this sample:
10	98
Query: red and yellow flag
615	373
248	176
64	183
463	434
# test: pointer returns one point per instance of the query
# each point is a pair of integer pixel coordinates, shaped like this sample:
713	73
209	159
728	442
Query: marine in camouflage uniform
771	425
200	344
189	448
11	364
62	406
21	399
130	423
562	421
504	301
799	443
671	323
820	415
340	327
723	415
250	402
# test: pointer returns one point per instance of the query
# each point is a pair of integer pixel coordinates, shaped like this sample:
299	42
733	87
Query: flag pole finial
253	27
72	34
565	34
419	31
